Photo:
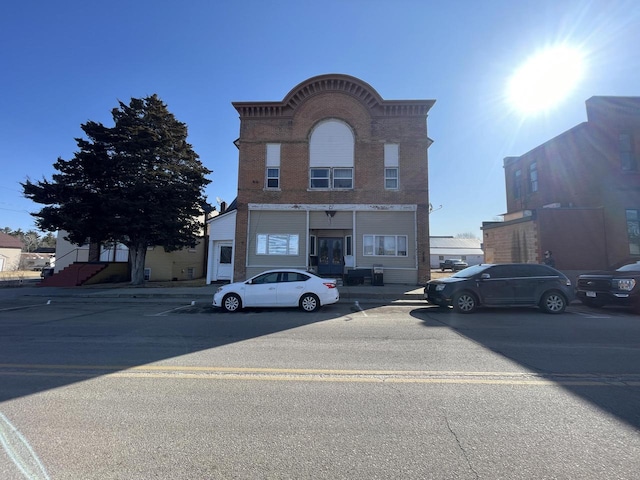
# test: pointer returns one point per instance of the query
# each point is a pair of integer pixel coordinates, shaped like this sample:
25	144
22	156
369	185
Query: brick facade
574	192
373	121
516	242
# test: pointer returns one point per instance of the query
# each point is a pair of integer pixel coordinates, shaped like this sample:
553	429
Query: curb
361	298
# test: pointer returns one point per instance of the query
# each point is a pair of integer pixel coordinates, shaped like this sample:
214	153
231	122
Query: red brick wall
370	136
575	236
581	169
570	169
374	122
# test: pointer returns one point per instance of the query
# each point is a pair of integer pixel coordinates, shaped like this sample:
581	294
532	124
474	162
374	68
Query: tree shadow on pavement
50	345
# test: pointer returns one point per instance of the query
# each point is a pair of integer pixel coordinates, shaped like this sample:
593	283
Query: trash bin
377	276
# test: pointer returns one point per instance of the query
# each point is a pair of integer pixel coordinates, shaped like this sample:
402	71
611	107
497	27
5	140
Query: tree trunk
94	251
137	256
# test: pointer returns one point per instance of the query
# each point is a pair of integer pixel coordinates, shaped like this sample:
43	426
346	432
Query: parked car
615	287
278	288
453	264
510	284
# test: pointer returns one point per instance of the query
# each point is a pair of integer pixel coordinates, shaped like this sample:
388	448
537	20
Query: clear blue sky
64	63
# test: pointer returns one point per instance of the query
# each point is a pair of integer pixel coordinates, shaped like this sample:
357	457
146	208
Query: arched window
331	150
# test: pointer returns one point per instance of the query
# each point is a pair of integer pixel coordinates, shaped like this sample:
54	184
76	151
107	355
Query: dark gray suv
502	285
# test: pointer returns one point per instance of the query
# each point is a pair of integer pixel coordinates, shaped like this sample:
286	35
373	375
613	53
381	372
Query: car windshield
632	267
470	271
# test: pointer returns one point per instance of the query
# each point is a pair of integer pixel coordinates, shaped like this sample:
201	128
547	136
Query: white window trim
264	244
334	178
272	162
331	178
396	178
322	207
327	178
312	246
396	237
391	161
276	178
348	245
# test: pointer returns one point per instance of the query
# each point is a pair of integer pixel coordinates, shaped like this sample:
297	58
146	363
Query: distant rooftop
7	241
455	243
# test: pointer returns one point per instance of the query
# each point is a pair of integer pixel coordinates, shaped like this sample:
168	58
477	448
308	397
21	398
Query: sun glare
545	79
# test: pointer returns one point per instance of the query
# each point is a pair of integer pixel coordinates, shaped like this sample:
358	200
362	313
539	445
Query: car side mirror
485	276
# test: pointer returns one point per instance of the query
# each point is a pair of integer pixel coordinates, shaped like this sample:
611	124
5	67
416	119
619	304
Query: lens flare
546	79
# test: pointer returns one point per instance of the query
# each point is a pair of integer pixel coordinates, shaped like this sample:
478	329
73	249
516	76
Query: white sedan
278	288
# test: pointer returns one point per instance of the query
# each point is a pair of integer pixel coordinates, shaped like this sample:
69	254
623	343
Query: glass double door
330	256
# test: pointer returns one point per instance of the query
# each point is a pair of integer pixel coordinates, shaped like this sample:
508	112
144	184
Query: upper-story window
391	169
273	178
627	157
331	178
533	177
320	177
273	166
343	178
331	153
517	184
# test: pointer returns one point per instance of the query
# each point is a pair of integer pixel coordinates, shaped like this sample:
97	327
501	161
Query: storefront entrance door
330	256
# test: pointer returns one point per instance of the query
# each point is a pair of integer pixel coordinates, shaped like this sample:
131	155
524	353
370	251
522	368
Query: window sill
330	189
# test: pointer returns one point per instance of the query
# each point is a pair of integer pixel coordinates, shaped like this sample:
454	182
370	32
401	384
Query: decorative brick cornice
334	83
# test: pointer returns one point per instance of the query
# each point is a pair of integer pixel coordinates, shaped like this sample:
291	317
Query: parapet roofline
337	83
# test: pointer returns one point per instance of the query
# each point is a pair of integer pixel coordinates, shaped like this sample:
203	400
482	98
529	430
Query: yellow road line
188	368
319	375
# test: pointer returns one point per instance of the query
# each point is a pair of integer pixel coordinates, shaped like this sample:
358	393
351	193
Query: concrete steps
74	275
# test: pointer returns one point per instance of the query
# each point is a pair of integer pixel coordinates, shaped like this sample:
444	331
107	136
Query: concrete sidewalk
204	293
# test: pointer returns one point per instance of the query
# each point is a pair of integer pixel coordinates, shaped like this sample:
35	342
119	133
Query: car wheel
553	302
309	302
232	302
464	302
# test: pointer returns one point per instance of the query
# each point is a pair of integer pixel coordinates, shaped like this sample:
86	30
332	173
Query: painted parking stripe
592	315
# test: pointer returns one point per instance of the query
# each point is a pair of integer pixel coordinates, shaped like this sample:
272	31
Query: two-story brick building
331	177
577	194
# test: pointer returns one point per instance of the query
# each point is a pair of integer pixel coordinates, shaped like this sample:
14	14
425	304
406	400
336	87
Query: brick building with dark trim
577	194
